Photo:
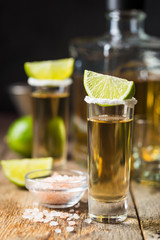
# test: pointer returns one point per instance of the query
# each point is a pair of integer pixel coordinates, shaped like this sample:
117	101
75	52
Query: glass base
56	206
108	212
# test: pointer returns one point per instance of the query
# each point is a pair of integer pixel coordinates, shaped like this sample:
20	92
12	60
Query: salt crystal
69	229
88	220
71	223
75	216
56	214
39	215
64	215
53	223
57	230
35	210
69	219
71	210
46	220
45	212
77	205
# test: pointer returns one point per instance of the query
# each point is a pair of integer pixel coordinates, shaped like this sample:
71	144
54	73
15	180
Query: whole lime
56	137
19	136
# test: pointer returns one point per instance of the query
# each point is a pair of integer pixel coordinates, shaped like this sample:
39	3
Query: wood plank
147	200
15	200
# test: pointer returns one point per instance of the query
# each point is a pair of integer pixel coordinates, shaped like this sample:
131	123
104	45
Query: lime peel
49	82
107	87
16	169
51	69
109	102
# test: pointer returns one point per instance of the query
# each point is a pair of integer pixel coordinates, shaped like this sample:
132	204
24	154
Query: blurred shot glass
50	110
146	150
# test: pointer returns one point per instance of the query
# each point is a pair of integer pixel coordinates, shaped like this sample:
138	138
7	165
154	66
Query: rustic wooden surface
143	220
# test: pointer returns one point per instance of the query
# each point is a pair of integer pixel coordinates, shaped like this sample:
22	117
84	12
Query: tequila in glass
50	122
109	148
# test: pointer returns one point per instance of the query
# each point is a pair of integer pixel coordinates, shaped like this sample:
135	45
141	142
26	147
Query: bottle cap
124	5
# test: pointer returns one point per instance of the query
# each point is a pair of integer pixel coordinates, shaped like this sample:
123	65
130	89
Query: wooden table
143	220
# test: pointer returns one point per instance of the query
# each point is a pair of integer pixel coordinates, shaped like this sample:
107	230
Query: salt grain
58	230
39	215
69	229
53	223
77	205
71	223
35	210
88	220
46	220
71	210
64	215
45	212
75	216
56	214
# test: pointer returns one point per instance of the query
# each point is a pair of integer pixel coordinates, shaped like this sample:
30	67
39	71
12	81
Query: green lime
16	169
52	69
107	87
56	137
19	136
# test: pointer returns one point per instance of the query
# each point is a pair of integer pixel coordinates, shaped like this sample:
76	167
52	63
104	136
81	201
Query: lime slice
16	169
51	69
107	87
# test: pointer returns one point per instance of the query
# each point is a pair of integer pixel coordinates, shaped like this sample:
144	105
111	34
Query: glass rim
110	102
49	82
72	172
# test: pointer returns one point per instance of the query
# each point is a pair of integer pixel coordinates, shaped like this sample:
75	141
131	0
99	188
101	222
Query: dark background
41	30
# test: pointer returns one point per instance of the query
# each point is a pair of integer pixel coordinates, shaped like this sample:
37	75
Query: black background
41	30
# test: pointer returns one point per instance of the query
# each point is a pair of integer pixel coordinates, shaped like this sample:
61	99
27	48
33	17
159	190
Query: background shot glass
50	108
146	150
109	147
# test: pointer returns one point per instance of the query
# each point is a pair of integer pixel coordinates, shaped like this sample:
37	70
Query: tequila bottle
125	51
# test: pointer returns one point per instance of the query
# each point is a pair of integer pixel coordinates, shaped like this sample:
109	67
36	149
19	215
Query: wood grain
147	201
15	200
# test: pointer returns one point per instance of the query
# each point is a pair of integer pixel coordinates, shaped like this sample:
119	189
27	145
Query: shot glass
109	150
50	110
146	150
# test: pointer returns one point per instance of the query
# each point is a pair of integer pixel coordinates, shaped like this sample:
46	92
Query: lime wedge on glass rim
107	87
52	69
16	169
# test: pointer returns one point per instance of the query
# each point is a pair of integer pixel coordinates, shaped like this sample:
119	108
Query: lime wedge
52	69
107	87
19	136
16	169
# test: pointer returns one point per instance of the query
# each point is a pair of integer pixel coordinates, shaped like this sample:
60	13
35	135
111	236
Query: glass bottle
125	51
